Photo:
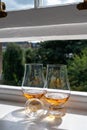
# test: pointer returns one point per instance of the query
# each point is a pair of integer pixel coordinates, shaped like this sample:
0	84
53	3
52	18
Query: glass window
59	2
26	4
18	4
73	53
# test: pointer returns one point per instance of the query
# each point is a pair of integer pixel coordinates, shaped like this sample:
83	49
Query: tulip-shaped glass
33	89
58	89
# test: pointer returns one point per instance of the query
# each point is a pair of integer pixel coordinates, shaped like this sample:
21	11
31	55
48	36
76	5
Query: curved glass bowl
33	89
58	89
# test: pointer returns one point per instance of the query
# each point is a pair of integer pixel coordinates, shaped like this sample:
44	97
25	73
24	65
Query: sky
26	4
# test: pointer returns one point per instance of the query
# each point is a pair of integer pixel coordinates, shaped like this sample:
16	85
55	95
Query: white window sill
11	93
77	100
12	117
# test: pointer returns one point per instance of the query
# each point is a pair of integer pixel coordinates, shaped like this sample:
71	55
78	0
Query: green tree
13	67
52	52
78	71
29	55
59	51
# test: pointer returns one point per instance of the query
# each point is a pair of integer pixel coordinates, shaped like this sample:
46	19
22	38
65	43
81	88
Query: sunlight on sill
12	93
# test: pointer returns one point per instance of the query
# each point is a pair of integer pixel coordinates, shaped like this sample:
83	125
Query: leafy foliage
58	52
78	71
70	52
13	67
29	55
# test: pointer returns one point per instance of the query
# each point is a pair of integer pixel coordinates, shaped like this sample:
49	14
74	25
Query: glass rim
57	65
33	64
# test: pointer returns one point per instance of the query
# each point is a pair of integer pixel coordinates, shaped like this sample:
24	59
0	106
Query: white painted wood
77	100
51	23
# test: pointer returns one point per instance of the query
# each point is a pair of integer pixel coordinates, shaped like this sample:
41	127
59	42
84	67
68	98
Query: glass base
58	112
34	108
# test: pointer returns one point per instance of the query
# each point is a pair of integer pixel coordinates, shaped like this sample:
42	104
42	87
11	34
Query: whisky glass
33	89
58	89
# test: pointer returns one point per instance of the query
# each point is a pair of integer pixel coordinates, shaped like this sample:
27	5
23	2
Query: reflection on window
73	53
27	4
18	4
59	2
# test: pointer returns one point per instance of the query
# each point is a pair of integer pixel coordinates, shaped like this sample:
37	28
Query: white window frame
67	24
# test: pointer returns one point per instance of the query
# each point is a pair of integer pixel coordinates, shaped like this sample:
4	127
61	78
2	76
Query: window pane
26	4
73	53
